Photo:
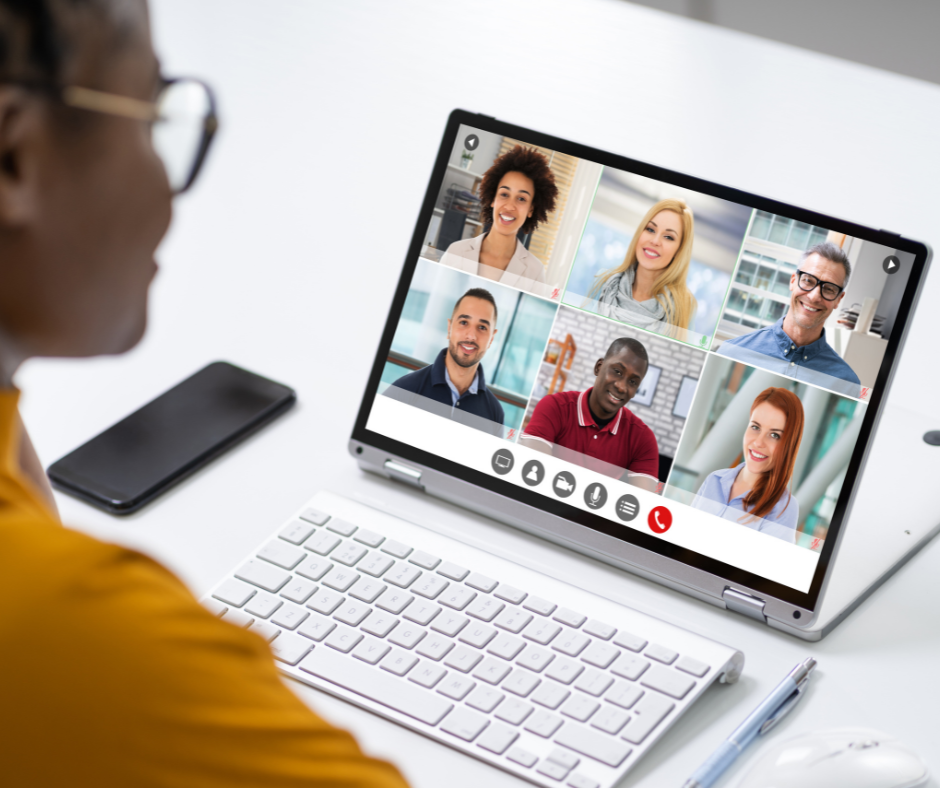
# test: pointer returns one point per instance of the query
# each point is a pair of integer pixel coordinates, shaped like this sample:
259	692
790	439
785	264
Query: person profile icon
533	472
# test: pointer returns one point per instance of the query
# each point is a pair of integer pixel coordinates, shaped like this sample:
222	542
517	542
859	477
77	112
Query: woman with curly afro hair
518	192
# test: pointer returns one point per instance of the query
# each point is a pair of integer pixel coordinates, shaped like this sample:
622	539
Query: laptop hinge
746	604
403	473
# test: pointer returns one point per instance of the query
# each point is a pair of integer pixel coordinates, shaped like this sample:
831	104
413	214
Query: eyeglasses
183	120
808	282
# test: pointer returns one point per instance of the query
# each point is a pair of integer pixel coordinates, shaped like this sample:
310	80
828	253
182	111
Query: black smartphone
171	437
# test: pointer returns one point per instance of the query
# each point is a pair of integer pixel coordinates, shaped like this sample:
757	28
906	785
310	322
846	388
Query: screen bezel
539	503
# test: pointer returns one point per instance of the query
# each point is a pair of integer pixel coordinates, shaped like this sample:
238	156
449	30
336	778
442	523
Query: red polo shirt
564	419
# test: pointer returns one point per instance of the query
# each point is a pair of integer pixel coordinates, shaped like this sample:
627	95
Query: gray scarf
616	301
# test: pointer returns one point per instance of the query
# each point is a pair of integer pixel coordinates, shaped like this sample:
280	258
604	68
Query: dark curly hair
534	166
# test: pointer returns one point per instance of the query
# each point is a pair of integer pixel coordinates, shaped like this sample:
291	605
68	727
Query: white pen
786	695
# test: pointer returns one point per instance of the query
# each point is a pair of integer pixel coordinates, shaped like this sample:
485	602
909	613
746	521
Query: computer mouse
850	757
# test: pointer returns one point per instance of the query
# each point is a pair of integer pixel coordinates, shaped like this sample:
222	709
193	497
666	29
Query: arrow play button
891	265
471	142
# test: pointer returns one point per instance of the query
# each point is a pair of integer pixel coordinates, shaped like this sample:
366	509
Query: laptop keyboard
556	694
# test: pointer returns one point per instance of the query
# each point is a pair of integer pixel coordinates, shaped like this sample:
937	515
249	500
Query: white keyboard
549	682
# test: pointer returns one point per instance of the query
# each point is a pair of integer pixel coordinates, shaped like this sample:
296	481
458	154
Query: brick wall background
592	335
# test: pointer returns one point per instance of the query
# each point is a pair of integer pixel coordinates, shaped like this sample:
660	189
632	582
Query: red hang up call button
660	520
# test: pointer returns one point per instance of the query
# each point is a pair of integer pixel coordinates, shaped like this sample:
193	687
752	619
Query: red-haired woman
755	493
518	192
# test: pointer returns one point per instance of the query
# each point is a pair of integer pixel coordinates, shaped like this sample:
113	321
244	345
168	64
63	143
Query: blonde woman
649	287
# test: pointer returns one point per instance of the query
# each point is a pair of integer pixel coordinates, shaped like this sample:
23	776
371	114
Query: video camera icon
563	484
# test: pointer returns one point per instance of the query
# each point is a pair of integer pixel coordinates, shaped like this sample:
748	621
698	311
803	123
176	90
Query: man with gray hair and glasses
796	345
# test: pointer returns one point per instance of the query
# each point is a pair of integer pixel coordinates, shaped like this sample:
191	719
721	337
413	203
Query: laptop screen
668	361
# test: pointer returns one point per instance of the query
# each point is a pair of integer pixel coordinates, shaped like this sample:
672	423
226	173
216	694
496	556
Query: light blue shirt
770	348
474	386
714	497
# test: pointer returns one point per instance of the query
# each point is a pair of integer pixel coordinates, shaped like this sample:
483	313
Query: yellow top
112	674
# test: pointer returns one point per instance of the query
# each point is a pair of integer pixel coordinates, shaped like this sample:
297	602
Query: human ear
18	131
597	367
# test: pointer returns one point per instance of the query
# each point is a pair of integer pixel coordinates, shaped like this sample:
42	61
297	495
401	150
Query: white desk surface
284	259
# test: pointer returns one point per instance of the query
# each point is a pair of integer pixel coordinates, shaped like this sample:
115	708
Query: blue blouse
714	497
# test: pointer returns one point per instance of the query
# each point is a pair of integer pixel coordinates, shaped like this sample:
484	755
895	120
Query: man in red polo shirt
592	428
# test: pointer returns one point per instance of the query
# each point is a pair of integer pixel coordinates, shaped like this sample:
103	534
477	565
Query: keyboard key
669	682
477	635
422	612
610	720
463	658
593	682
322	542
263	575
375	564
579	707
316	627
497	738
541	631
464	724
564	670
349	553
368	538
570	618
457	597
492	670
551	769
398	662
623	694
453	571
661	654
394	601
435	646
509	594
456	686
238	617
538	605
485	608
599	629
521	683
325	601
534	658
506	646
580	781
402	575
263	605
485	698
630	666
629	641
314	516
564	758
513	619
379	623
367	590
314	567
692	666
481	582
424	560
396	549
214	606
280	554
290	649
407	635
449	623
522	757
266	629
370	650
352	613
571	643
513	711
298	590
550	695
343	638
600	655
340	578
295	532
382	688
429	585
543	724
594	745
427	674
234	593
648	713
341	527
290	616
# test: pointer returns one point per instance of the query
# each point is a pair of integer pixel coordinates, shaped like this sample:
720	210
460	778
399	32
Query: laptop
668	375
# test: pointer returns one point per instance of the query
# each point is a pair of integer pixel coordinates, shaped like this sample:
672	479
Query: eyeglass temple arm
109	104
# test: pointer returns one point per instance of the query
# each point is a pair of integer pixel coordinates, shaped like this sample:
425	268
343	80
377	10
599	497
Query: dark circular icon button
503	461
471	142
628	507
595	496
564	484
891	265
533	472
660	520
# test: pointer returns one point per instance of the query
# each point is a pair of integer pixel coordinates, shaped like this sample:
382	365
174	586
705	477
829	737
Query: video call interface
676	363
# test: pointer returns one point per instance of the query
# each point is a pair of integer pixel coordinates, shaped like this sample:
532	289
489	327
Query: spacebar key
371	683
